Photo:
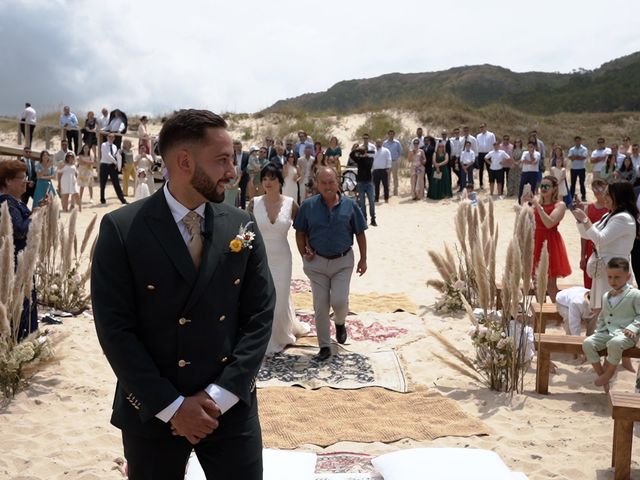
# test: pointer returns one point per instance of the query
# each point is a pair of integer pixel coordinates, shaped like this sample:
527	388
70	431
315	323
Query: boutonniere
243	239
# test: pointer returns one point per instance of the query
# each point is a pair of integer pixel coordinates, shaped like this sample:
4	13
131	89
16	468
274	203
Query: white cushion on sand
277	465
443	464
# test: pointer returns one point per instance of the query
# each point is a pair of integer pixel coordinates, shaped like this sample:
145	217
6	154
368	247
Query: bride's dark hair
272	170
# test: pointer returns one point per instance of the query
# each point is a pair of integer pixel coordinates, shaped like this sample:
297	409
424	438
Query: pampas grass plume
542	276
87	233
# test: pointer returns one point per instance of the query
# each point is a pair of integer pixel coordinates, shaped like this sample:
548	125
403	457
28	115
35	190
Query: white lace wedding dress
285	325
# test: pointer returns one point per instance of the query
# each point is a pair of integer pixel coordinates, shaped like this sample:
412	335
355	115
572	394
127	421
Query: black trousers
223	455
381	175
110	171
244	181
73	137
480	166
578	174
29	139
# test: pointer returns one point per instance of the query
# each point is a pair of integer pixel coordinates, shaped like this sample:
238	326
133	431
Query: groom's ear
184	161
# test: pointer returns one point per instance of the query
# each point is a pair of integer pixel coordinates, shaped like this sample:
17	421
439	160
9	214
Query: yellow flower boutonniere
243	239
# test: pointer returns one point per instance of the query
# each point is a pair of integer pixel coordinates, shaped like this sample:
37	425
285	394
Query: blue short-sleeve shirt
330	232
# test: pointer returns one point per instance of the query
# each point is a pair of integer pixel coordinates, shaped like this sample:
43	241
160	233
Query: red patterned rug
357	330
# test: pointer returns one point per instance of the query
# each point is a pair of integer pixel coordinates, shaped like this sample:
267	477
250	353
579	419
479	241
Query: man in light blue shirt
69	123
395	147
578	156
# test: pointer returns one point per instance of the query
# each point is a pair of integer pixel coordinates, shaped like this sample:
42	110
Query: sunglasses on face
545	186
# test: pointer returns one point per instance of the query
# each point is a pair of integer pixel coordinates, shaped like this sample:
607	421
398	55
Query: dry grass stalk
482	280
5	327
542	274
441	265
506	292
458	368
516	272
88	232
451	348
461	226
451	262
482	211
527	250
437	284
7	274
492	223
6	227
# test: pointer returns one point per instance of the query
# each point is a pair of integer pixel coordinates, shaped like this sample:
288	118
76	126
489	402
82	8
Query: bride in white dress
274	215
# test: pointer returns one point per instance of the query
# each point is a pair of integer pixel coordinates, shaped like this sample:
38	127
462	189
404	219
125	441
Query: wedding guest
109	169
69	184
559	171
13	182
626	170
85	172
440	180
467	162
141	190
325	227
573	306
599	156
578	156
143	133
496	161
59	157
128	167
549	211
28	118
530	169
612	236
515	169
292	173
32	175
595	211
417	162
46	172
89	133
363	155
609	169
382	164
69	123
618	323
395	148
231	189
144	160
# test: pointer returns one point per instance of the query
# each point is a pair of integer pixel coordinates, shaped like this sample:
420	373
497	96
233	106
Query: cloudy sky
154	56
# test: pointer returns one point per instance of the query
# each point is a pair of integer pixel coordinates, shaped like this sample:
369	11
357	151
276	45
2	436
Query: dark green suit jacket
169	330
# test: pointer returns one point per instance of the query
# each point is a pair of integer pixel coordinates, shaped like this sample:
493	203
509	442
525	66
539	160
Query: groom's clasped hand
196	418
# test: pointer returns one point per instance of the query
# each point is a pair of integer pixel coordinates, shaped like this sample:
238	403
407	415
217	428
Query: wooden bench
625	410
563	344
549	313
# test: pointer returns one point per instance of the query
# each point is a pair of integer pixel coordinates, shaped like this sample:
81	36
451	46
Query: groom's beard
205	186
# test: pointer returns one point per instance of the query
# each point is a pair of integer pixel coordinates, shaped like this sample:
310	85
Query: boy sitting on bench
618	323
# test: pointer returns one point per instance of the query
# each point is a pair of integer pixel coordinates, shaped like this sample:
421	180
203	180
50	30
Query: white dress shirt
573	307
29	115
528	167
485	141
223	398
382	159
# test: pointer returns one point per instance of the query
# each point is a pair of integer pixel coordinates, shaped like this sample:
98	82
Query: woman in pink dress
417	161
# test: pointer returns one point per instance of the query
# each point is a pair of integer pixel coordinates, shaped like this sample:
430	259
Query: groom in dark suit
186	334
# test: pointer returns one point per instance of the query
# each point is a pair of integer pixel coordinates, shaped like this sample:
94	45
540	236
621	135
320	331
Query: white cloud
154	56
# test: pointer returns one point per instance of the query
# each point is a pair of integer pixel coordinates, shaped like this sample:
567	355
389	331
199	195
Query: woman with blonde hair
548	211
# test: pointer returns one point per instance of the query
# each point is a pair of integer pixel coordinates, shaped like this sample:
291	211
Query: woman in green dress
440	186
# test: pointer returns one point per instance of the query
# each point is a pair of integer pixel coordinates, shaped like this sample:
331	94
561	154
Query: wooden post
622	448
542	373
19	135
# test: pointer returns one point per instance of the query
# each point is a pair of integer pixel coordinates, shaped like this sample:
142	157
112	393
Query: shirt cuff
168	413
223	398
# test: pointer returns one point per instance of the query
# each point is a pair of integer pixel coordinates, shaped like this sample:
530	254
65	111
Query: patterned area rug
357	330
345	370
344	462
292	417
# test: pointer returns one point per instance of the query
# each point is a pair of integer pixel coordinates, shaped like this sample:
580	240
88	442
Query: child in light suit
618	323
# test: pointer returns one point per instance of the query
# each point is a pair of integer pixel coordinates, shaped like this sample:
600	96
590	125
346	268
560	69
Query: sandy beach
59	426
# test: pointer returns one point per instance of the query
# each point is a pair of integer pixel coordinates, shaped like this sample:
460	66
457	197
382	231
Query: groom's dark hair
189	125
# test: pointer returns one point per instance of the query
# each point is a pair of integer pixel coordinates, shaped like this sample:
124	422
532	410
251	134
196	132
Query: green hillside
612	87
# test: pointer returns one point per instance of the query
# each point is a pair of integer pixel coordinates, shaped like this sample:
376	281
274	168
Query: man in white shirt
467	161
467	137
109	166
619	156
578	156
530	169
485	140
599	156
395	147
573	306
28	118
382	163
495	160
456	144
635	157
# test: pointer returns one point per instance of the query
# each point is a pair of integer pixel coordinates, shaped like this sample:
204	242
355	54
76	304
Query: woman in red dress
548	211
595	211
